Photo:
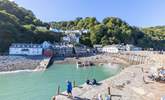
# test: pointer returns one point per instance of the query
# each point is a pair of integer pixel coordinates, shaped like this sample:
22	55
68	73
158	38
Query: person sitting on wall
88	82
91	82
94	82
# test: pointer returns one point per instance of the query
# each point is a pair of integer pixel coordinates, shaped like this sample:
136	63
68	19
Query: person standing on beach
69	88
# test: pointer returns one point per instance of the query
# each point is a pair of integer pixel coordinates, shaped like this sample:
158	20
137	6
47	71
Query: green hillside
114	30
20	25
155	36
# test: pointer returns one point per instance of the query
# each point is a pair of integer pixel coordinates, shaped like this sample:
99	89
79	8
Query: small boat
79	64
84	64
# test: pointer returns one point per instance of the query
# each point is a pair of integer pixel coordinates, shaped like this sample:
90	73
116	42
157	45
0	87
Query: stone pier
44	64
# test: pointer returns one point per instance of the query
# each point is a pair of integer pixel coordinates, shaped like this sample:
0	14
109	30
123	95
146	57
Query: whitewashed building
46	45
25	49
28	48
71	38
76	31
56	30
83	31
98	47
80	50
130	47
110	49
63	49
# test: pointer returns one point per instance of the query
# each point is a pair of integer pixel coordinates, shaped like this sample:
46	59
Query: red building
48	52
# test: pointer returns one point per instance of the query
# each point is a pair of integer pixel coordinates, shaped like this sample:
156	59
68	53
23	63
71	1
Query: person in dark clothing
69	88
88	82
94	82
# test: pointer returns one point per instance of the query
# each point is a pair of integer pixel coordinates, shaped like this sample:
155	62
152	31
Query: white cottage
98	47
25	49
130	47
110	49
28	49
46	45
63	49
72	38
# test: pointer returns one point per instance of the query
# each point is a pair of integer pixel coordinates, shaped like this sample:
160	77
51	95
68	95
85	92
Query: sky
141	13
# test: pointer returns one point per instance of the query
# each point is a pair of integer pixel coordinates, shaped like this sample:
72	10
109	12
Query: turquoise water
43	85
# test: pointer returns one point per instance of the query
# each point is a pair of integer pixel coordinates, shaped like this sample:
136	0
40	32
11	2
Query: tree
37	22
85	39
97	32
18	24
105	40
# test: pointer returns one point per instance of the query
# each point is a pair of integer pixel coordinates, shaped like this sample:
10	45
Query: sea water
43	85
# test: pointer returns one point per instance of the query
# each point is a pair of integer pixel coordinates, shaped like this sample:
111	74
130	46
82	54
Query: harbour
43	85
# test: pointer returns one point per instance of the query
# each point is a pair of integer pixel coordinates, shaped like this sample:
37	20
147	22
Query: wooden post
74	83
138	59
135	59
142	69
132	59
142	60
109	92
129	58
53	98
58	90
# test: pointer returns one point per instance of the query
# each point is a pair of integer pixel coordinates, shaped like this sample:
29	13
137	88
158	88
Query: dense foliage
20	25
154	37
113	30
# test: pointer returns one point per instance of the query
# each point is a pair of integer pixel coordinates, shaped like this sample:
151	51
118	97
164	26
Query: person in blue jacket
69	88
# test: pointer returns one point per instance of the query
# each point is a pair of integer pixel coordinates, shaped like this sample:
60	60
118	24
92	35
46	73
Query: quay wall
141	57
22	63
13	63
